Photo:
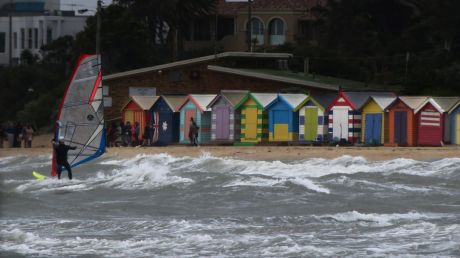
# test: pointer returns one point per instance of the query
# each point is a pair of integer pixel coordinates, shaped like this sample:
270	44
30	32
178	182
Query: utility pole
98	31
249	29
10	34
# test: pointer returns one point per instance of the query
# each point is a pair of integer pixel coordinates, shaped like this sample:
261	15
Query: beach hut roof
446	103
382	102
322	101
264	99
201	101
144	102
292	99
360	98
233	97
173	101
433	102
454	107
413	101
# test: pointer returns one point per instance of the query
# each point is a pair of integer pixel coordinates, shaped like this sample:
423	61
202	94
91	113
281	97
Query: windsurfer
193	132
61	150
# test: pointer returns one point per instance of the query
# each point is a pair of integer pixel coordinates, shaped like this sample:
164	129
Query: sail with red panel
80	119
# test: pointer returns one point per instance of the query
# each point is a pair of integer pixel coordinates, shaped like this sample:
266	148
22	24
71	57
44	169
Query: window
30	38
23	38
2	42
49	36
15	40
257	31
225	27
202	29
36	38
276	32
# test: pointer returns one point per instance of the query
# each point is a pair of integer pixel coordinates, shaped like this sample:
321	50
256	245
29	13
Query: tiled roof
225	7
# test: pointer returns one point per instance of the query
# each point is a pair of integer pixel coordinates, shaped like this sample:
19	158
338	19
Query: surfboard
38	176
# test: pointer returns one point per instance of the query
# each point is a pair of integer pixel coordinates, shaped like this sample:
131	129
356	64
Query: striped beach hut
254	118
165	119
345	114
430	123
283	120
137	109
195	105
225	120
402	129
454	117
447	104
375	120
313	118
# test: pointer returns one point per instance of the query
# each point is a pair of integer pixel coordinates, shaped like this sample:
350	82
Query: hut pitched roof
359	98
383	102
200	100
173	101
293	99
144	102
233	97
432	102
264	99
446	103
413	101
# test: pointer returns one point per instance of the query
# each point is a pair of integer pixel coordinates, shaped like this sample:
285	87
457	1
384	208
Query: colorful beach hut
454	117
313	118
283	120
195	105
430	123
165	119
345	115
375	120
447	103
225	120
254	118
402	129
137	109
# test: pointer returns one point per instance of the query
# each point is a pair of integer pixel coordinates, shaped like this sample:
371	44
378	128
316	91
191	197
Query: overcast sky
82	4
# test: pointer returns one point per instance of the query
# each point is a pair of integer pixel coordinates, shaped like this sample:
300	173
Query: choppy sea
163	206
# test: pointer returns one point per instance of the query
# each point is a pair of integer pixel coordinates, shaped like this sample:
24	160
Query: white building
34	26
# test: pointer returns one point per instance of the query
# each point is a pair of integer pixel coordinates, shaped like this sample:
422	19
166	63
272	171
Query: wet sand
42	146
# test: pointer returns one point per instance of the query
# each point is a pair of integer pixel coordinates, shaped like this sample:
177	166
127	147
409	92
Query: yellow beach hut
375	120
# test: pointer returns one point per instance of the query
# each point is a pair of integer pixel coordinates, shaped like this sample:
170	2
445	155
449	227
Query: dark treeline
411	43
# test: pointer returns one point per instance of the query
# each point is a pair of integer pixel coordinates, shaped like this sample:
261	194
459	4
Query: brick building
258	72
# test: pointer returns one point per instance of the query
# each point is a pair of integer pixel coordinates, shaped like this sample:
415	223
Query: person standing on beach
61	150
28	136
193	132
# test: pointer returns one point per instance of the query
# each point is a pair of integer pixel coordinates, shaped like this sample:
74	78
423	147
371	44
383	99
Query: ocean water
162	206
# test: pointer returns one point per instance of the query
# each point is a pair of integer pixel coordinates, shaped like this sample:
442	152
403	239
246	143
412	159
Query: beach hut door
401	127
340	123
188	114
311	123
457	128
222	123
251	123
372	133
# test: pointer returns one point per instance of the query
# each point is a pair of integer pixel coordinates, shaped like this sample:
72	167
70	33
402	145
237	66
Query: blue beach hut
452	132
283	120
165	119
196	106
313	118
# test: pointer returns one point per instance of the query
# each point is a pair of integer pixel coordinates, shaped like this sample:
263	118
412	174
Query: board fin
38	176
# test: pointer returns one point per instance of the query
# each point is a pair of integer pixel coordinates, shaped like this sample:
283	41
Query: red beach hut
430	123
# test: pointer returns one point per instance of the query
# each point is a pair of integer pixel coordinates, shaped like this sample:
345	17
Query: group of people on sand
129	135
16	135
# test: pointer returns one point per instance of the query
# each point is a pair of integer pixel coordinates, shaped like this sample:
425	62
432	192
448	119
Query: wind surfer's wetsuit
61	158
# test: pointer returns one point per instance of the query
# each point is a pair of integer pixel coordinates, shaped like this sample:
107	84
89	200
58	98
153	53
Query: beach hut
375	120
313	118
430	123
447	103
454	117
283	120
402	129
254	118
345	115
225	120
137	109
165	119
195	105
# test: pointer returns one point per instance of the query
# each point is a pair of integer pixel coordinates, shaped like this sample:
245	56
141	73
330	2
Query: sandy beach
42	146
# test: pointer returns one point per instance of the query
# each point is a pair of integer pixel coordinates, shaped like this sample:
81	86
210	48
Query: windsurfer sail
80	119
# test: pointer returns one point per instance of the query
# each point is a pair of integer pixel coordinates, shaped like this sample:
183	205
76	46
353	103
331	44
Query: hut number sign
142	91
